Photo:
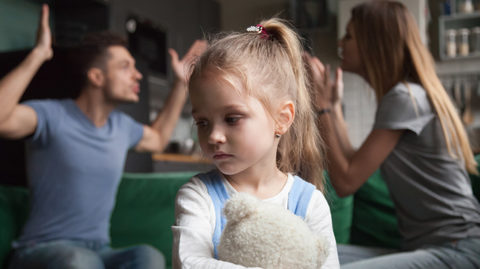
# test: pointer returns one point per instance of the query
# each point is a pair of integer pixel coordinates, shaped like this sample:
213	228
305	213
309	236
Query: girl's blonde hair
271	68
391	49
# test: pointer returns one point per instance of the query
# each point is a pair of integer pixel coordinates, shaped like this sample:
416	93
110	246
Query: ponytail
301	148
267	59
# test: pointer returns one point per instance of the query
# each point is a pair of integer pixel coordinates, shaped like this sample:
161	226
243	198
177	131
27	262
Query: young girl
255	122
417	141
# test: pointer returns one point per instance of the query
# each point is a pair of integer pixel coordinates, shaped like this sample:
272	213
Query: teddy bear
261	234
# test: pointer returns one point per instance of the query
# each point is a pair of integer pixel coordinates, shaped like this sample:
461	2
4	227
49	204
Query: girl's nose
217	136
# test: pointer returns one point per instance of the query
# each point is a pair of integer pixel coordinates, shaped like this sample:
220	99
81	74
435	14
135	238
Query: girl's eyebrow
232	107
228	107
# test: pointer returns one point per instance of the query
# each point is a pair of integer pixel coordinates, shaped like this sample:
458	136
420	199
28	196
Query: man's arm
17	121
156	136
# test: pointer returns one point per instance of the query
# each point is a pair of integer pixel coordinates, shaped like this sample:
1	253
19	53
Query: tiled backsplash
359	107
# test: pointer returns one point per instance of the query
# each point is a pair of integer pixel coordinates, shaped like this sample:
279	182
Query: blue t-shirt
74	169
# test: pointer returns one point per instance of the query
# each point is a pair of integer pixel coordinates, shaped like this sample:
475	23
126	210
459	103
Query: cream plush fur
259	234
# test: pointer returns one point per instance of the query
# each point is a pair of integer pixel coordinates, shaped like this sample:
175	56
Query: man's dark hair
92	52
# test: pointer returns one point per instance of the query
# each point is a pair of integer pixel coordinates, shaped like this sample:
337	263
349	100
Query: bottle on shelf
450	43
475	40
465	6
463	46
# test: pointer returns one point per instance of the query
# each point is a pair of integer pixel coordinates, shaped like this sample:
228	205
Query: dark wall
183	21
53	80
17	24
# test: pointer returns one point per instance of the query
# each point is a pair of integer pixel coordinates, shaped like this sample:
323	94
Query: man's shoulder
49	103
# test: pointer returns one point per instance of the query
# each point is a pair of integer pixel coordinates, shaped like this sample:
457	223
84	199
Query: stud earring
277	135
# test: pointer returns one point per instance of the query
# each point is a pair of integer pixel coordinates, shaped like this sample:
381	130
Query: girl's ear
96	77
285	116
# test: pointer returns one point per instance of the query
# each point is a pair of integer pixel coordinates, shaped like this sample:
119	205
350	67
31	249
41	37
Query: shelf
460	16
456	21
475	55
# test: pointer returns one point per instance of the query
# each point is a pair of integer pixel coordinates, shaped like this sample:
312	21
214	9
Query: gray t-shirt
74	168
431	190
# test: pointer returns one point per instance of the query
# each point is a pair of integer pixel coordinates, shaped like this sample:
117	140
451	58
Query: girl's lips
218	156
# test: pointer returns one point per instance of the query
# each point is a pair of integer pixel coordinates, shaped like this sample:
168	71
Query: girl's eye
232	119
201	123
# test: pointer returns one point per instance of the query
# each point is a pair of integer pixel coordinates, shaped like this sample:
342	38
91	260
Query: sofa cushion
342	212
13	212
374	220
144	210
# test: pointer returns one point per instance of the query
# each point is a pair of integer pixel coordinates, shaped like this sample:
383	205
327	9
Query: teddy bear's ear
240	206
323	247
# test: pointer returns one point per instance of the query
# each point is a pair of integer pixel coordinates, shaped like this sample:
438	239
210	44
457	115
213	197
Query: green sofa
144	212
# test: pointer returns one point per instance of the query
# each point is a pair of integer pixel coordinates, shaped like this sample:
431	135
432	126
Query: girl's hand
327	93
44	35
181	68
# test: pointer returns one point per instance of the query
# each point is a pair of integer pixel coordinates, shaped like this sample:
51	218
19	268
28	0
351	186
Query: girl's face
350	54
234	129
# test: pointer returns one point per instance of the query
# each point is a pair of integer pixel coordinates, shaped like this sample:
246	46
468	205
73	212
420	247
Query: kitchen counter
172	162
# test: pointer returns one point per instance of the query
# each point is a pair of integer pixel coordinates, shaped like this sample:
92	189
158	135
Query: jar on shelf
475	40
463	42
450	42
465	6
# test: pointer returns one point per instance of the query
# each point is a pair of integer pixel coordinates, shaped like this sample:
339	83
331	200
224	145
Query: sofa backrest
14	204
144	210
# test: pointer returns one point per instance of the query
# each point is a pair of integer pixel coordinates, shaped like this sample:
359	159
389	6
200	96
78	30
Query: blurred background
450	28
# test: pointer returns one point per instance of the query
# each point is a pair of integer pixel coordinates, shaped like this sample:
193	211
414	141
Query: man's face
121	77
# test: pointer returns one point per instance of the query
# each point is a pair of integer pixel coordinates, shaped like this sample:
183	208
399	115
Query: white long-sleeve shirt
195	224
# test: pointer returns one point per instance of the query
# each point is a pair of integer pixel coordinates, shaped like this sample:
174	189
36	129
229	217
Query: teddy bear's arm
319	220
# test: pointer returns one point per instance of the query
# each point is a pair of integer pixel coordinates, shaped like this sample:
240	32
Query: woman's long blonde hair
271	68
391	49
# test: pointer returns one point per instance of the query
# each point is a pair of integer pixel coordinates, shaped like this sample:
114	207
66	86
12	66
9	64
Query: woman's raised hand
327	93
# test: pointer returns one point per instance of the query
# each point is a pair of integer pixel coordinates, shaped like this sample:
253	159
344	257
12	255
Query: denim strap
299	197
218	194
298	200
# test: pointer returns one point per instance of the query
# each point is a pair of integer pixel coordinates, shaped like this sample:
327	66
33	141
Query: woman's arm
347	175
341	130
348	169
